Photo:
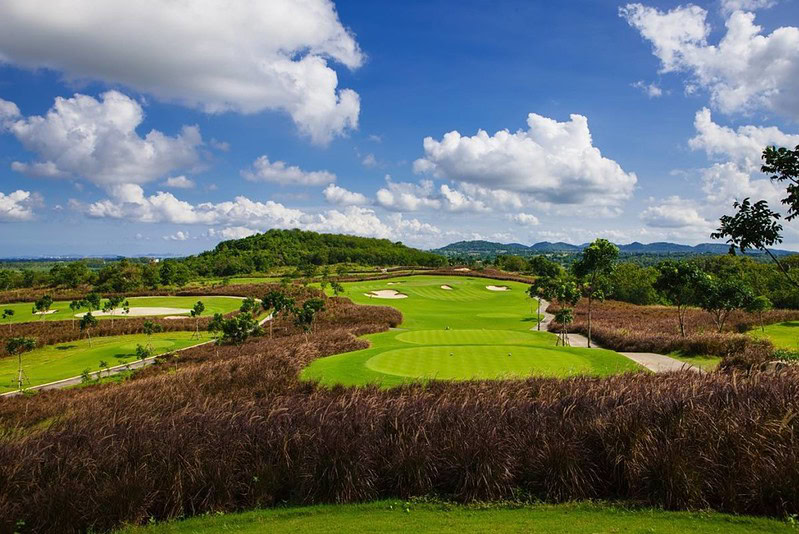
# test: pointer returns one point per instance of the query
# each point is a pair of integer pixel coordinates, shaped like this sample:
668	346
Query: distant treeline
255	254
634	283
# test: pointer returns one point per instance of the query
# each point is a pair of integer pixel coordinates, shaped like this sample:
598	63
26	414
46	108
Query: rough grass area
65	360
467	332
23	310
403	516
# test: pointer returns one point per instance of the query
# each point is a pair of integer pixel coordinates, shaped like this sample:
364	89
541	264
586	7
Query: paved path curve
657	363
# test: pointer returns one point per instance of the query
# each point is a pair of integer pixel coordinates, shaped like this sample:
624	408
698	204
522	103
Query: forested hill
277	248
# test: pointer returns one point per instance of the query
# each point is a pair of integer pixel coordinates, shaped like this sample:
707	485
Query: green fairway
23	310
401	517
782	335
466	332
65	360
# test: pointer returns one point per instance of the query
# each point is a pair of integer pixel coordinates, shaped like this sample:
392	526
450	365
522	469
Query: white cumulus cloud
746	70
97	140
18	205
179	182
263	170
552	161
524	219
340	196
245	56
675	212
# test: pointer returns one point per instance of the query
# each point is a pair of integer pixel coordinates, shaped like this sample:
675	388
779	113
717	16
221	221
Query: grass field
461	333
23	310
782	335
65	360
704	362
401	517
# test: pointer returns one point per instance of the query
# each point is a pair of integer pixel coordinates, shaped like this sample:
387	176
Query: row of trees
682	284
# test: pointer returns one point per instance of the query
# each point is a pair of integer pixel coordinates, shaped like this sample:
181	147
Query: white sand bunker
386	294
48	312
392	283
139	312
463	269
445	286
497	288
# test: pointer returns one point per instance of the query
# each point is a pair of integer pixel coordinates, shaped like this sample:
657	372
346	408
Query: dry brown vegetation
224	428
630	328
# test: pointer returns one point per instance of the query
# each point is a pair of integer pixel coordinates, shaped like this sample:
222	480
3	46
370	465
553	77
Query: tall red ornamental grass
53	332
228	428
631	328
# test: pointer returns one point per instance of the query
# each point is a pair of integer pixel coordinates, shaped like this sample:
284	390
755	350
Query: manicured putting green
477	326
483	361
23	310
65	360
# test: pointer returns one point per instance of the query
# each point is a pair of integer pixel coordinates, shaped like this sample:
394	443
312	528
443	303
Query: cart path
657	363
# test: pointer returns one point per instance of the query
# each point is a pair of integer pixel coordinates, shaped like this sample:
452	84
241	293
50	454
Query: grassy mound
468	332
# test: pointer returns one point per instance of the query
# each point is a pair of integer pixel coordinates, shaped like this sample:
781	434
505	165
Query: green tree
680	283
279	303
758	306
196	311
142	353
238	329
16	346
304	316
337	288
593	268
8	313
111	304
42	305
87	322
633	283
720	297
75	306
151	275
149	328
248	305
542	266
92	301
564	291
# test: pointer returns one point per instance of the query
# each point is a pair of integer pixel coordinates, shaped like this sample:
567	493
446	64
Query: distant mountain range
545	247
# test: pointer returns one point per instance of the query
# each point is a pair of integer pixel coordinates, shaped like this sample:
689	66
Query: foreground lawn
466	332
400	517
65	360
782	335
23	311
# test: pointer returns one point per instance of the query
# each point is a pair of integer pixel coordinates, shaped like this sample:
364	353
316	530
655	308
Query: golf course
458	328
139	307
65	360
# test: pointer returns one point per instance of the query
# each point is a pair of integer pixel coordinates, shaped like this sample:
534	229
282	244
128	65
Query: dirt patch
386	294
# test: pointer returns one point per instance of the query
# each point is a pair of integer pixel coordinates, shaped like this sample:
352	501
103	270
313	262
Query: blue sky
165	128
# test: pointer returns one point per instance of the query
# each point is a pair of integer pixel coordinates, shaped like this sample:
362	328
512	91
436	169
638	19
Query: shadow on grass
65	347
